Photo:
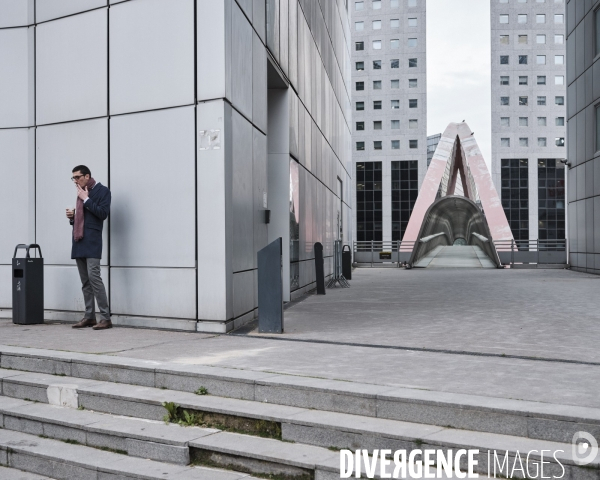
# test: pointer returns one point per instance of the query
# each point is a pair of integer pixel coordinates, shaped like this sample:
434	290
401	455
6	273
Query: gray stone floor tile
13	474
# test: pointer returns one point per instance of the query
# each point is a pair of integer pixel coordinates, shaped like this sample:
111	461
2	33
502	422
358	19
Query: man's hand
82	192
70	213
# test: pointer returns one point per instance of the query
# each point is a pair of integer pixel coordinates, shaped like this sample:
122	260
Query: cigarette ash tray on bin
28	287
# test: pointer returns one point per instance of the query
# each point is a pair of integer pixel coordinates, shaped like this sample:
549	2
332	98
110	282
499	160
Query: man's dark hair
83	169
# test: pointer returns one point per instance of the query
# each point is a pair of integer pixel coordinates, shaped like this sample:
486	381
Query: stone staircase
79	416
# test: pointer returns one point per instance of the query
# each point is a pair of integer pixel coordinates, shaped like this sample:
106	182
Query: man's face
80	179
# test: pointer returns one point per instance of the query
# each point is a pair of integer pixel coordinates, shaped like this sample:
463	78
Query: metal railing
532	253
382	252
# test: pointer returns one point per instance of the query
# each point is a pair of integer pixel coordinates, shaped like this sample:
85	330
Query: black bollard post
347	262
319	268
270	289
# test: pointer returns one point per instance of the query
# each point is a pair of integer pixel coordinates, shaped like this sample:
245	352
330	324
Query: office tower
389	126
528	115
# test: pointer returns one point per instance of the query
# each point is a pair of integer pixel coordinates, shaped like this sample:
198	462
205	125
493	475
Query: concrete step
64	461
14	474
309	428
535	420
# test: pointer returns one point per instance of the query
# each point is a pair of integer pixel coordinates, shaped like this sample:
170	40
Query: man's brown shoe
103	325
85	322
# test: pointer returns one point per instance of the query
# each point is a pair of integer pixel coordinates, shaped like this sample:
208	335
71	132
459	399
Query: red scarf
78	225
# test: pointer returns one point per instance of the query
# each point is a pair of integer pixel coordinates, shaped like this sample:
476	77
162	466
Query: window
541	100
504	81
559	39
522	59
395	104
523	101
395	124
359	5
523	80
376	24
395	144
542	141
395	84
503	18
376	64
503	1
412	103
540	39
376	84
360	126
540	18
540	59
412	22
505	39
412	42
559	141
394	63
559	80
523	39
412	62
360	145
541	121
376	44
551	199
413	124
559	121
360	85
559	100
360	46
503	59
377	125
376	4
559	59
504	101
359	26
377	105
522	18
369	201
411	3
377	145
559	18
394	3
523	121
360	66
505	142
395	23
597	114
541	80
412	83
505	121
405	189
413	144
514	177
360	106
395	43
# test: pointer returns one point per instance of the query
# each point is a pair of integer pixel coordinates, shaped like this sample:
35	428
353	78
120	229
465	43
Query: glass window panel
360	145
559	100
395	43
522	59
413	144
395	104
522	18
505	121
359	26
412	103
505	39
559	59
560	121
523	101
559	141
559	80
378	145
395	84
523	39
376	84
503	18
412	42
559	18
541	80
395	144
377	105
395	124
540	18
377	64
541	39
360	46
505	142
412	83
360	66
541	100
523	80
360	126
523	121
503	59
541	121
412	62
504	81
413	124
377	125
395	23
376	4
376	24
360	85
376	44
541	141
359	5
559	39
360	106
412	22
523	142
540	59
504	101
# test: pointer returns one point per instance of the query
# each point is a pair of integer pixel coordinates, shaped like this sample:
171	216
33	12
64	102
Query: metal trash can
347	262
28	287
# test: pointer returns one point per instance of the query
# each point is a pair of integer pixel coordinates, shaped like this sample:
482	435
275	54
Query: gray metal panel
49	9
152	218
154	292
241	62
259	174
273	27
246	6
17	190
71	64
5	286
151	55
16	81
211	49
293	43
62	287
242	195
259	83
59	149
16	13
243	292
284	35
259	18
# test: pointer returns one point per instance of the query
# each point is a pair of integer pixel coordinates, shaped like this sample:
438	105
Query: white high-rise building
528	115
389	99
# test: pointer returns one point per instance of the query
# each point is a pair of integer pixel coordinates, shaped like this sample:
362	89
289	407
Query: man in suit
93	206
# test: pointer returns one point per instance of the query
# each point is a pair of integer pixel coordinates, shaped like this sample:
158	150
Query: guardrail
382	252
532	253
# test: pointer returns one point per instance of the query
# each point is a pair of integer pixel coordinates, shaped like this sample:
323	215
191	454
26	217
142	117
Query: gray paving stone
47	466
158	451
36	364
215	386
22	425
60	432
25	392
121	407
558	431
107	373
3	457
103	440
13	474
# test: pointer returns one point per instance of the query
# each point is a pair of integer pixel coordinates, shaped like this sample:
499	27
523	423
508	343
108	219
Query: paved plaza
474	327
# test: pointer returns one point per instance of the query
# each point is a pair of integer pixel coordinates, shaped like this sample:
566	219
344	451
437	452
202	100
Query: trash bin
28	287
347	262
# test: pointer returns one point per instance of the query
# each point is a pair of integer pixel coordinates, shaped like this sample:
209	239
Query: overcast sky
458	68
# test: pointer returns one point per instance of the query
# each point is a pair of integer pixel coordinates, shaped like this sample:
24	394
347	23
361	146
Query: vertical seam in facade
196	152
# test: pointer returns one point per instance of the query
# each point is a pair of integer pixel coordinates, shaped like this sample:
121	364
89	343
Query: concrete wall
583	79
166	102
